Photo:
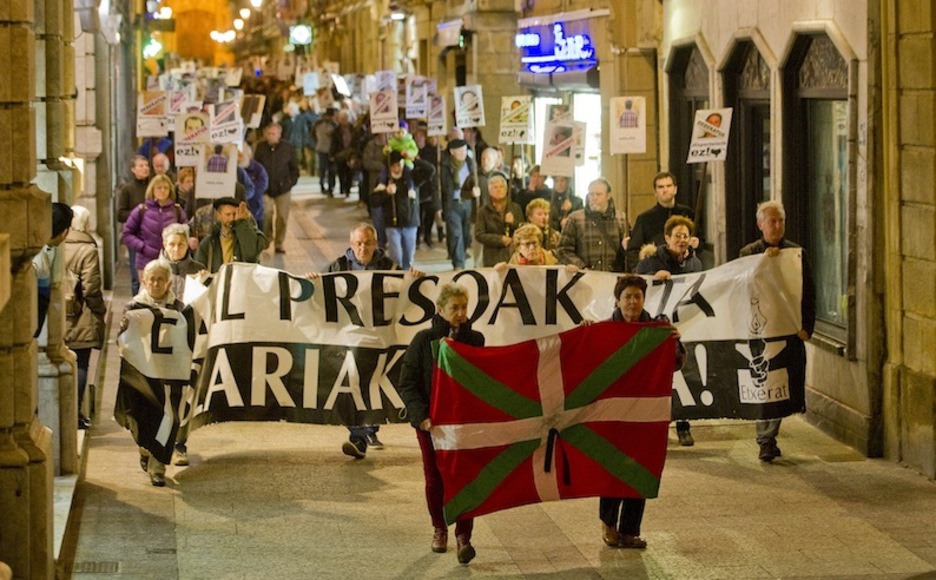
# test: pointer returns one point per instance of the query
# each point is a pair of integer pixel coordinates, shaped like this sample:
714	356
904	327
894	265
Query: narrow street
263	500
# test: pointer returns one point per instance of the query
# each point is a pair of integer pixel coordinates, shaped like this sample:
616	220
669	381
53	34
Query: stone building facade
833	115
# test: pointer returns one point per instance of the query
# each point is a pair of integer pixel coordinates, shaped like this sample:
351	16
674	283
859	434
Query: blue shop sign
556	47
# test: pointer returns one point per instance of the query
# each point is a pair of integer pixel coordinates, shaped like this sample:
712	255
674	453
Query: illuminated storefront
559	64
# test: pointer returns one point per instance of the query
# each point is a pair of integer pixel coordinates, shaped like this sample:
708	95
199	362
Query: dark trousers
427	212
84	359
358	435
435	490
628	510
345	177
134	278
326	173
458	223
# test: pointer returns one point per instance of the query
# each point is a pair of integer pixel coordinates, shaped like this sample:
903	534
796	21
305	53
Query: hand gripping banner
579	414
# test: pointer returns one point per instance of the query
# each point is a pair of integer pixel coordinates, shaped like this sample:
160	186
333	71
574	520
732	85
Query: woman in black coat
450	320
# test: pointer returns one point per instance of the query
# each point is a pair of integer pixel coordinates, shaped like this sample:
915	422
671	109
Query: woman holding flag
450	320
621	516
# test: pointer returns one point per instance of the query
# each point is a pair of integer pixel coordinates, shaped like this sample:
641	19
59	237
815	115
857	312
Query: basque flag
579	414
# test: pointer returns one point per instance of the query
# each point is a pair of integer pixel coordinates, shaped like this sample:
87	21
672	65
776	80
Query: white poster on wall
628	125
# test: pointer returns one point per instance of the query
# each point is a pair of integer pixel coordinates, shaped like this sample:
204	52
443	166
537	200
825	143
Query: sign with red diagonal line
578	414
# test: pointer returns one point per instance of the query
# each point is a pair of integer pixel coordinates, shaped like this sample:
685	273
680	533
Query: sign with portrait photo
226	123
152	114
191	135
516	122
710	135
469	106
559	149
417	98
436	125
383	111
217	170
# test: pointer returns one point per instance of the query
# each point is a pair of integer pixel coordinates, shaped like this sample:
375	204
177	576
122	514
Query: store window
689	92
748	167
816	172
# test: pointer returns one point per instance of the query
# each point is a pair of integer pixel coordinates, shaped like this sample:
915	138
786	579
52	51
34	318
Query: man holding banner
771	221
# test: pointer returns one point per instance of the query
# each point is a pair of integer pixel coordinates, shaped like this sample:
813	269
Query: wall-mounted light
164	13
152	49
238	24
256	3
397	16
245	13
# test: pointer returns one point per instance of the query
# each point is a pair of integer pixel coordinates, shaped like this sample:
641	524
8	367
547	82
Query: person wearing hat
396	193
233	238
458	195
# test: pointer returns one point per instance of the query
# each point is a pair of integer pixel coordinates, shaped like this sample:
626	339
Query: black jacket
808	307
400	210
648	229
664	260
281	166
452	189
416	374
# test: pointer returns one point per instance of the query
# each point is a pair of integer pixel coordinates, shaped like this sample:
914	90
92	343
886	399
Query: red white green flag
578	414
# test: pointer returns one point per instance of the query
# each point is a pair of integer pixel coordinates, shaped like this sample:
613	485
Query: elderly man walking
279	159
771	221
595	236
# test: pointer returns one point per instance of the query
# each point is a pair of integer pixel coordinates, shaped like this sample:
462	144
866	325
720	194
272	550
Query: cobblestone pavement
263	500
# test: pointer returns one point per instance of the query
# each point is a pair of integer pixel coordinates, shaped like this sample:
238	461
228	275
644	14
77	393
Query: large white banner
274	346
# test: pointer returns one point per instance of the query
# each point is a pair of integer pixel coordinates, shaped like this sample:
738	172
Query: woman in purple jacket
143	229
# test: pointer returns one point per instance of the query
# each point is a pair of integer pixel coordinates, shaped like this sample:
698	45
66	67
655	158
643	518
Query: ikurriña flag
578	414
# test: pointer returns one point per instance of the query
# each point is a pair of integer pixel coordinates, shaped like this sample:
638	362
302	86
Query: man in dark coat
771	221
130	194
279	159
648	229
458	197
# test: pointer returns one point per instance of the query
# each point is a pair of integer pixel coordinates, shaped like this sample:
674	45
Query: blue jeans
458	222
134	278
377	217
401	244
359	435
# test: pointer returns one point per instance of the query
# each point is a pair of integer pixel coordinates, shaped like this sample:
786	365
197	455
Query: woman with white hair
177	253
84	303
